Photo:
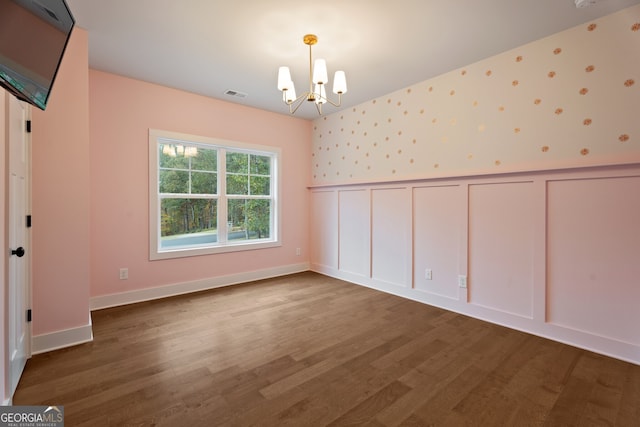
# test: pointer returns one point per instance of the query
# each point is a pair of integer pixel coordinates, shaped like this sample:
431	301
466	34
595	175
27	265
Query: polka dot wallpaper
568	100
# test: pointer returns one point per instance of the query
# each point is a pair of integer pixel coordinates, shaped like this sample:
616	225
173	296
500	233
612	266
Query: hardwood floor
308	350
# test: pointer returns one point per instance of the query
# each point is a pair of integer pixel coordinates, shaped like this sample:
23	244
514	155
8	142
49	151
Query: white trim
131	297
61	339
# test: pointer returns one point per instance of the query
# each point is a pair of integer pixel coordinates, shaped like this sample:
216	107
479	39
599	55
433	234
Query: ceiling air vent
235	93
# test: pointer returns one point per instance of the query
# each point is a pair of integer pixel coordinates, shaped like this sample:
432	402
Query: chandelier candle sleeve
320	72
290	94
339	83
318	78
284	78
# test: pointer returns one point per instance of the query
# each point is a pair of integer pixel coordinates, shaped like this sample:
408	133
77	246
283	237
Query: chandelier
317	81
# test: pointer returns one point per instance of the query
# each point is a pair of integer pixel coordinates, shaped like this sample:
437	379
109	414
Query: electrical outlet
428	274
124	273
462	281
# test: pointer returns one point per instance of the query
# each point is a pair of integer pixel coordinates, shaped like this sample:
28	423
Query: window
208	196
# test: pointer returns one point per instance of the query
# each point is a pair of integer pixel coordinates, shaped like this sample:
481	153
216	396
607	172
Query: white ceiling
208	46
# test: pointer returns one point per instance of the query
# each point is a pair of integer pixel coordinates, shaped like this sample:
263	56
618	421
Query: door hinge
28	221
29	315
28	126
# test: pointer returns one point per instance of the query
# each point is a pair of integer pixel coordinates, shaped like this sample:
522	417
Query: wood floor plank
309	350
438	408
365	411
629	412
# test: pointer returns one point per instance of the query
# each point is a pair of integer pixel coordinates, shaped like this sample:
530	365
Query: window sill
212	250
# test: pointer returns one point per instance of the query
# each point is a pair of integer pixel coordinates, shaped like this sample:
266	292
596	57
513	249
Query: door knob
18	252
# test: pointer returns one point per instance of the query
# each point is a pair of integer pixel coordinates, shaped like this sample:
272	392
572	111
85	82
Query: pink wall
122	110
60	185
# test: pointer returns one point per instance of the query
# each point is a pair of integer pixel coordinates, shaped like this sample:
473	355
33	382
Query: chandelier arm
333	103
293	106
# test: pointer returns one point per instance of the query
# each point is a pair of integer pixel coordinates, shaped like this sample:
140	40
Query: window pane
260	185
260	165
249	219
237	184
173	181
168	157
188	222
205	159
203	183
237	162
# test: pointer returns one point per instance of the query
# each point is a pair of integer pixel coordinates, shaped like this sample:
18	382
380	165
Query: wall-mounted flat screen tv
33	37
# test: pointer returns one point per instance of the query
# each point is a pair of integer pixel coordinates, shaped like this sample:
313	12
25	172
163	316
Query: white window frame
157	137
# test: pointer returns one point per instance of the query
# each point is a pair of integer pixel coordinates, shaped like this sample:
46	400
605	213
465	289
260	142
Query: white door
19	288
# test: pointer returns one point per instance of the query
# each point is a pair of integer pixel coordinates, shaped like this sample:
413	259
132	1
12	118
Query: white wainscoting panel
324	217
355	232
593	257
439	215
391	233
501	242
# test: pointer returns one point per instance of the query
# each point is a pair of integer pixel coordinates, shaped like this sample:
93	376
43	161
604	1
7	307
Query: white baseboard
124	298
61	339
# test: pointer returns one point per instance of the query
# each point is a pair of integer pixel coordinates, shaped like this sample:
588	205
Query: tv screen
33	38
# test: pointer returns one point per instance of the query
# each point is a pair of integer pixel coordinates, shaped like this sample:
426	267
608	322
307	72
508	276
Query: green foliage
205	160
185	175
260	165
237	162
258	217
204	182
247	175
180	174
174	181
260	185
237	184
251	215
184	216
